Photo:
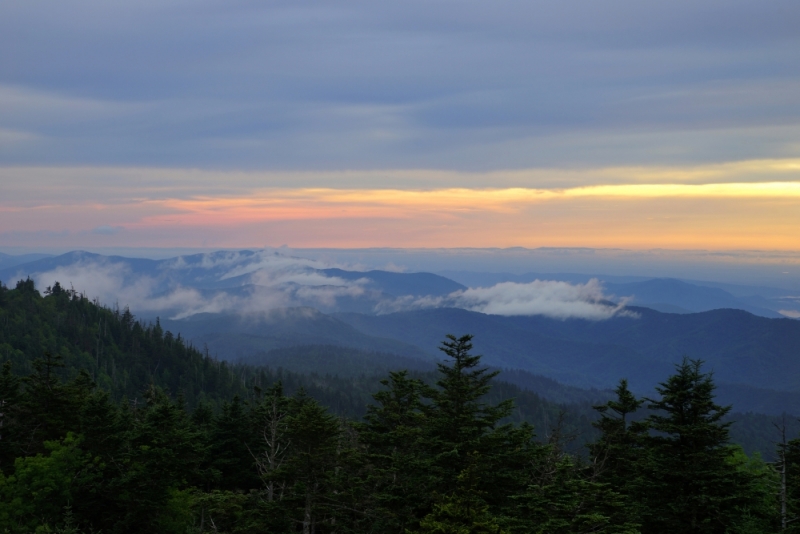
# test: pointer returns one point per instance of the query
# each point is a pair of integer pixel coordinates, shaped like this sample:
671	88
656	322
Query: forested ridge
108	424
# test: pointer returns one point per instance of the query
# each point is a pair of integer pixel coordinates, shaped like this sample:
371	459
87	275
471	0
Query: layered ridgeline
125	356
565	327
115	425
754	359
225	276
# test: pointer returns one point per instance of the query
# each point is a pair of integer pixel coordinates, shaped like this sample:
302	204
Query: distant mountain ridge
244	303
234	337
230	274
662	293
739	347
668	295
8	260
754	359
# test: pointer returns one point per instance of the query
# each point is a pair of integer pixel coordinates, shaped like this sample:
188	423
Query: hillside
125	357
742	349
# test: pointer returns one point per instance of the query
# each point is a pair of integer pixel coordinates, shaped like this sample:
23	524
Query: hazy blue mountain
226	279
73	259
336	360
667	295
399	284
242	304
238	273
486	279
759	400
754	359
349	362
9	260
519	343
237	337
741	348
674	296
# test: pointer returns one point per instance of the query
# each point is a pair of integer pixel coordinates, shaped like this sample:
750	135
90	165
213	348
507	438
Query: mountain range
250	305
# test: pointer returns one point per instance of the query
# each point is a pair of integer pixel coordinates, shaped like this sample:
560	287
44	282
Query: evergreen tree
421	440
463	511
458	419
791	452
458	416
314	436
690	485
393	434
50	408
95	503
229	449
461	425
617	454
9	418
163	452
565	498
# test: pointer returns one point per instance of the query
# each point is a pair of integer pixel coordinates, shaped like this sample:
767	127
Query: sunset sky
203	124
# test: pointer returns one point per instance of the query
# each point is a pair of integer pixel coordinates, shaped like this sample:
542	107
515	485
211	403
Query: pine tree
95	502
565	498
163	452
393	434
459	417
618	452
458	420
791	453
9	418
271	440
49	408
229	448
314	436
462	425
463	511
691	485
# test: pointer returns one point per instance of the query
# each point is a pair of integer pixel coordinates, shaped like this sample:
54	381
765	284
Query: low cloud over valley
251	283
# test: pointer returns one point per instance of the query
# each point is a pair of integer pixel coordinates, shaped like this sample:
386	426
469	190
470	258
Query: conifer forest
110	424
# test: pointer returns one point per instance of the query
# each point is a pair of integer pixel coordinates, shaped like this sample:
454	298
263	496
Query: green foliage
62	333
154	436
756	511
565	498
692	486
676	467
10	423
462	512
41	486
228	440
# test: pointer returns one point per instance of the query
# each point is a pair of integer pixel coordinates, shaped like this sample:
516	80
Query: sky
435	124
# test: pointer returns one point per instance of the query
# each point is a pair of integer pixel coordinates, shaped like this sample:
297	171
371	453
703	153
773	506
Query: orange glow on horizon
282	204
200	208
716	216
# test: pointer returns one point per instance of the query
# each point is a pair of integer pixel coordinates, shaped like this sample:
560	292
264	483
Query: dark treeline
125	356
80	452
425	459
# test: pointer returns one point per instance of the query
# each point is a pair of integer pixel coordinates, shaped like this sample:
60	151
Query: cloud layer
559	300
264	281
255	283
419	84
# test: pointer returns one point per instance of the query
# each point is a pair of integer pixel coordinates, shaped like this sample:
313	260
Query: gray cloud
108	230
414	84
